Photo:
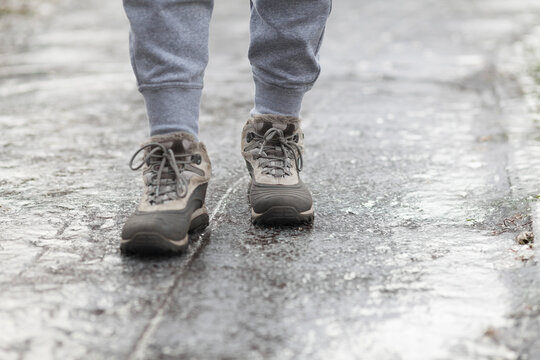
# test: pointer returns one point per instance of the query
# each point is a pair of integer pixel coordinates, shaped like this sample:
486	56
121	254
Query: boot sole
282	215
154	243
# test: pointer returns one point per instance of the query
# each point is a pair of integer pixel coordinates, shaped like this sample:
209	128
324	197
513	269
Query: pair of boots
176	171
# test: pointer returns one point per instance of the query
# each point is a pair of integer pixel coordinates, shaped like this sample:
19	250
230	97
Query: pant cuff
270	99
173	109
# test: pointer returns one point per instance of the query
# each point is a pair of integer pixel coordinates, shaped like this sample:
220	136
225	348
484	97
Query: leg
285	40
169	53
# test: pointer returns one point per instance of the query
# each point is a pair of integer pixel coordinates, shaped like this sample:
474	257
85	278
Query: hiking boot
272	147
176	170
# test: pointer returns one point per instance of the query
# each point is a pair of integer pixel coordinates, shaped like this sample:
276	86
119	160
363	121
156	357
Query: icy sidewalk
421	155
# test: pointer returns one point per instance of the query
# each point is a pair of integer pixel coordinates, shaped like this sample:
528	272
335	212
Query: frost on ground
422	156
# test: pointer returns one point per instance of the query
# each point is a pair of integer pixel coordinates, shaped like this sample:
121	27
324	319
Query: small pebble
524	238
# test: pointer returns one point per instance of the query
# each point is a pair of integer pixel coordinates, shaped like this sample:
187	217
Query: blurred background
423	155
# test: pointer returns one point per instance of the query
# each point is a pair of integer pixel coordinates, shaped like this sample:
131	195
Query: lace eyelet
249	137
197	159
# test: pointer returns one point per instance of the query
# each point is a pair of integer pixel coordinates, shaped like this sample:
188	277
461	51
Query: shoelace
273	159
162	156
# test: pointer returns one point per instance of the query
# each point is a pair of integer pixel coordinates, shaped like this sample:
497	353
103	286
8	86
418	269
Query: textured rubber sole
282	215
154	243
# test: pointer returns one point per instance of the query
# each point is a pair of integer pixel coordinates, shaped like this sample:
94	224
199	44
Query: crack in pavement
149	330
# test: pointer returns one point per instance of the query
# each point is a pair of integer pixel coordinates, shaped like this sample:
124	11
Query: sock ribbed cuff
270	99
173	109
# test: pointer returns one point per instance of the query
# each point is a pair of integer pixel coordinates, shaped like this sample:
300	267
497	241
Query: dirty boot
176	173
272	147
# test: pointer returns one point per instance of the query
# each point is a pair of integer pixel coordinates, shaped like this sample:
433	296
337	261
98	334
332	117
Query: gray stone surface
421	154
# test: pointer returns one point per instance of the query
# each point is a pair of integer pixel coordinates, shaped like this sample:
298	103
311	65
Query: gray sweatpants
169	53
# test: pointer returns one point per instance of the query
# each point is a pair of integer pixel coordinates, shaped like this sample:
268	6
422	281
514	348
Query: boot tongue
179	147
273	148
262	126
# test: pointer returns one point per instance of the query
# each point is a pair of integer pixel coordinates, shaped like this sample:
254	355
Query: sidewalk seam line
150	328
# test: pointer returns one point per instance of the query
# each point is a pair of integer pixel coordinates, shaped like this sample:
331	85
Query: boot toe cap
170	225
263	197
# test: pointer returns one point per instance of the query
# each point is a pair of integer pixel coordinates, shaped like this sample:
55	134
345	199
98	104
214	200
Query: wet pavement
423	156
